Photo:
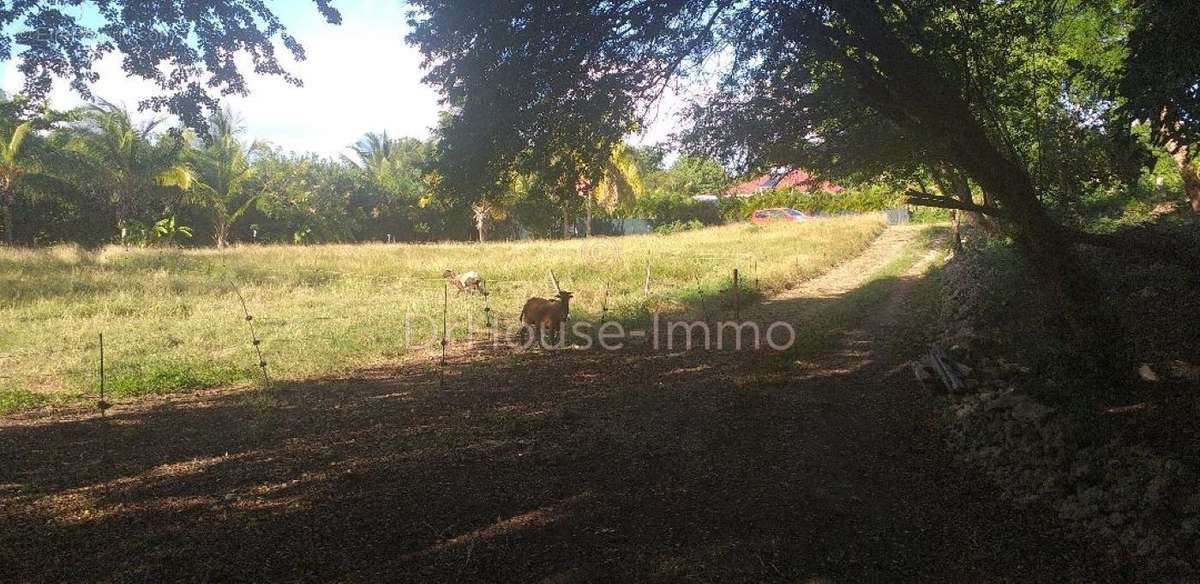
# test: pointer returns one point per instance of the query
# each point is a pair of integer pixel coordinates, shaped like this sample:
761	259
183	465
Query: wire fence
269	338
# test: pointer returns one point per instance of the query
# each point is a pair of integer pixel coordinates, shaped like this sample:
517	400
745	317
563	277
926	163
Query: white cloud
359	77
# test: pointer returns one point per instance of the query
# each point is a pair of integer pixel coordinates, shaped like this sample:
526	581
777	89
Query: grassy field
172	320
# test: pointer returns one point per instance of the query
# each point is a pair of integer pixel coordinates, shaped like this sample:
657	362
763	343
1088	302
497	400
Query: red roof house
784	178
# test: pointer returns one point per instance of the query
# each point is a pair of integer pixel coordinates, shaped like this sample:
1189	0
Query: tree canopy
982	88
189	50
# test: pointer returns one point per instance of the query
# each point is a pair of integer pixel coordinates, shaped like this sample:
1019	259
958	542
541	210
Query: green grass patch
12	400
172	320
171	376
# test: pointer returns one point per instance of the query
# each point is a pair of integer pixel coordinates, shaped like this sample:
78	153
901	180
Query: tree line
97	175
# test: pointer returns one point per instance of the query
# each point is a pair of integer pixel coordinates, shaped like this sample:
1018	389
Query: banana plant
168	229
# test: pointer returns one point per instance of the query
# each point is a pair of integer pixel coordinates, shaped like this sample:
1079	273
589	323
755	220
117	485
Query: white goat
469	282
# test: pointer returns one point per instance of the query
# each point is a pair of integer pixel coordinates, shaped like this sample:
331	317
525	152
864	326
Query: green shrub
663	208
859	199
928	215
678	226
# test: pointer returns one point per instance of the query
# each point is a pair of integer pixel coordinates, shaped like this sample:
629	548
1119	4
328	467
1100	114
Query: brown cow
546	314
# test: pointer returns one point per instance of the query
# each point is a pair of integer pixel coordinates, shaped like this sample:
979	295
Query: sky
359	77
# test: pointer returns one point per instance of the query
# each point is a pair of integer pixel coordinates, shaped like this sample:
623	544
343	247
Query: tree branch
691	46
921	199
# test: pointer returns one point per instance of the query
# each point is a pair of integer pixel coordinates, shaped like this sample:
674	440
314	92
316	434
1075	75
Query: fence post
103	405
604	305
737	309
487	310
445	308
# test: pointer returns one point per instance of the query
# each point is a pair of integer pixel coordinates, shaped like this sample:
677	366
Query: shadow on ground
550	466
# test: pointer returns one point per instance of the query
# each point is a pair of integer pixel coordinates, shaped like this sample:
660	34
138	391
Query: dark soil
560	466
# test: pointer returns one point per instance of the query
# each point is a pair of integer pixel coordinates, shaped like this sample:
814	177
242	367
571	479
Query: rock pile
1141	507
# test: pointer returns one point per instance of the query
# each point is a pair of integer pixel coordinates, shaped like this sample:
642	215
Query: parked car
764	216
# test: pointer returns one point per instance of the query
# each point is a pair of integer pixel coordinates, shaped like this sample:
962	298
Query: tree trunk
9	224
954	185
1093	332
1190	174
566	223
221	233
910	91
589	216
7	199
120	215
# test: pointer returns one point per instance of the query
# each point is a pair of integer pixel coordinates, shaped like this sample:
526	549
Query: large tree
618	187
25	159
690	175
189	50
1162	82
522	78
395	169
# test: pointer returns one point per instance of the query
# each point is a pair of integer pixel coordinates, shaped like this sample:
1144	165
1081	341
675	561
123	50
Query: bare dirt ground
558	466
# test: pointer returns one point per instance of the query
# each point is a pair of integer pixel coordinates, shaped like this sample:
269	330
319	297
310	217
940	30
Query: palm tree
394	164
11	171
123	160
619	186
222	166
374	153
482	212
23	169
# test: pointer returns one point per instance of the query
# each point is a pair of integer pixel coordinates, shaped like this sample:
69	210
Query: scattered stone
1146	373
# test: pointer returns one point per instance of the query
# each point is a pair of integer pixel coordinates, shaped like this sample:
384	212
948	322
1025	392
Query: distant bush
928	215
677	227
662	208
860	199
673	212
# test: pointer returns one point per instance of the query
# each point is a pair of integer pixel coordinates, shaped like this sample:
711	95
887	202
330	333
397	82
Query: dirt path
545	467
852	274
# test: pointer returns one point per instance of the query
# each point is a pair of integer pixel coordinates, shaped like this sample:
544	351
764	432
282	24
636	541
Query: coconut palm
619	186
373	153
23	168
12	170
395	164
124	160
222	166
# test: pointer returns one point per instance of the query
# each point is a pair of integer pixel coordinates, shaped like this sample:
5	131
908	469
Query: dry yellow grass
173	322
